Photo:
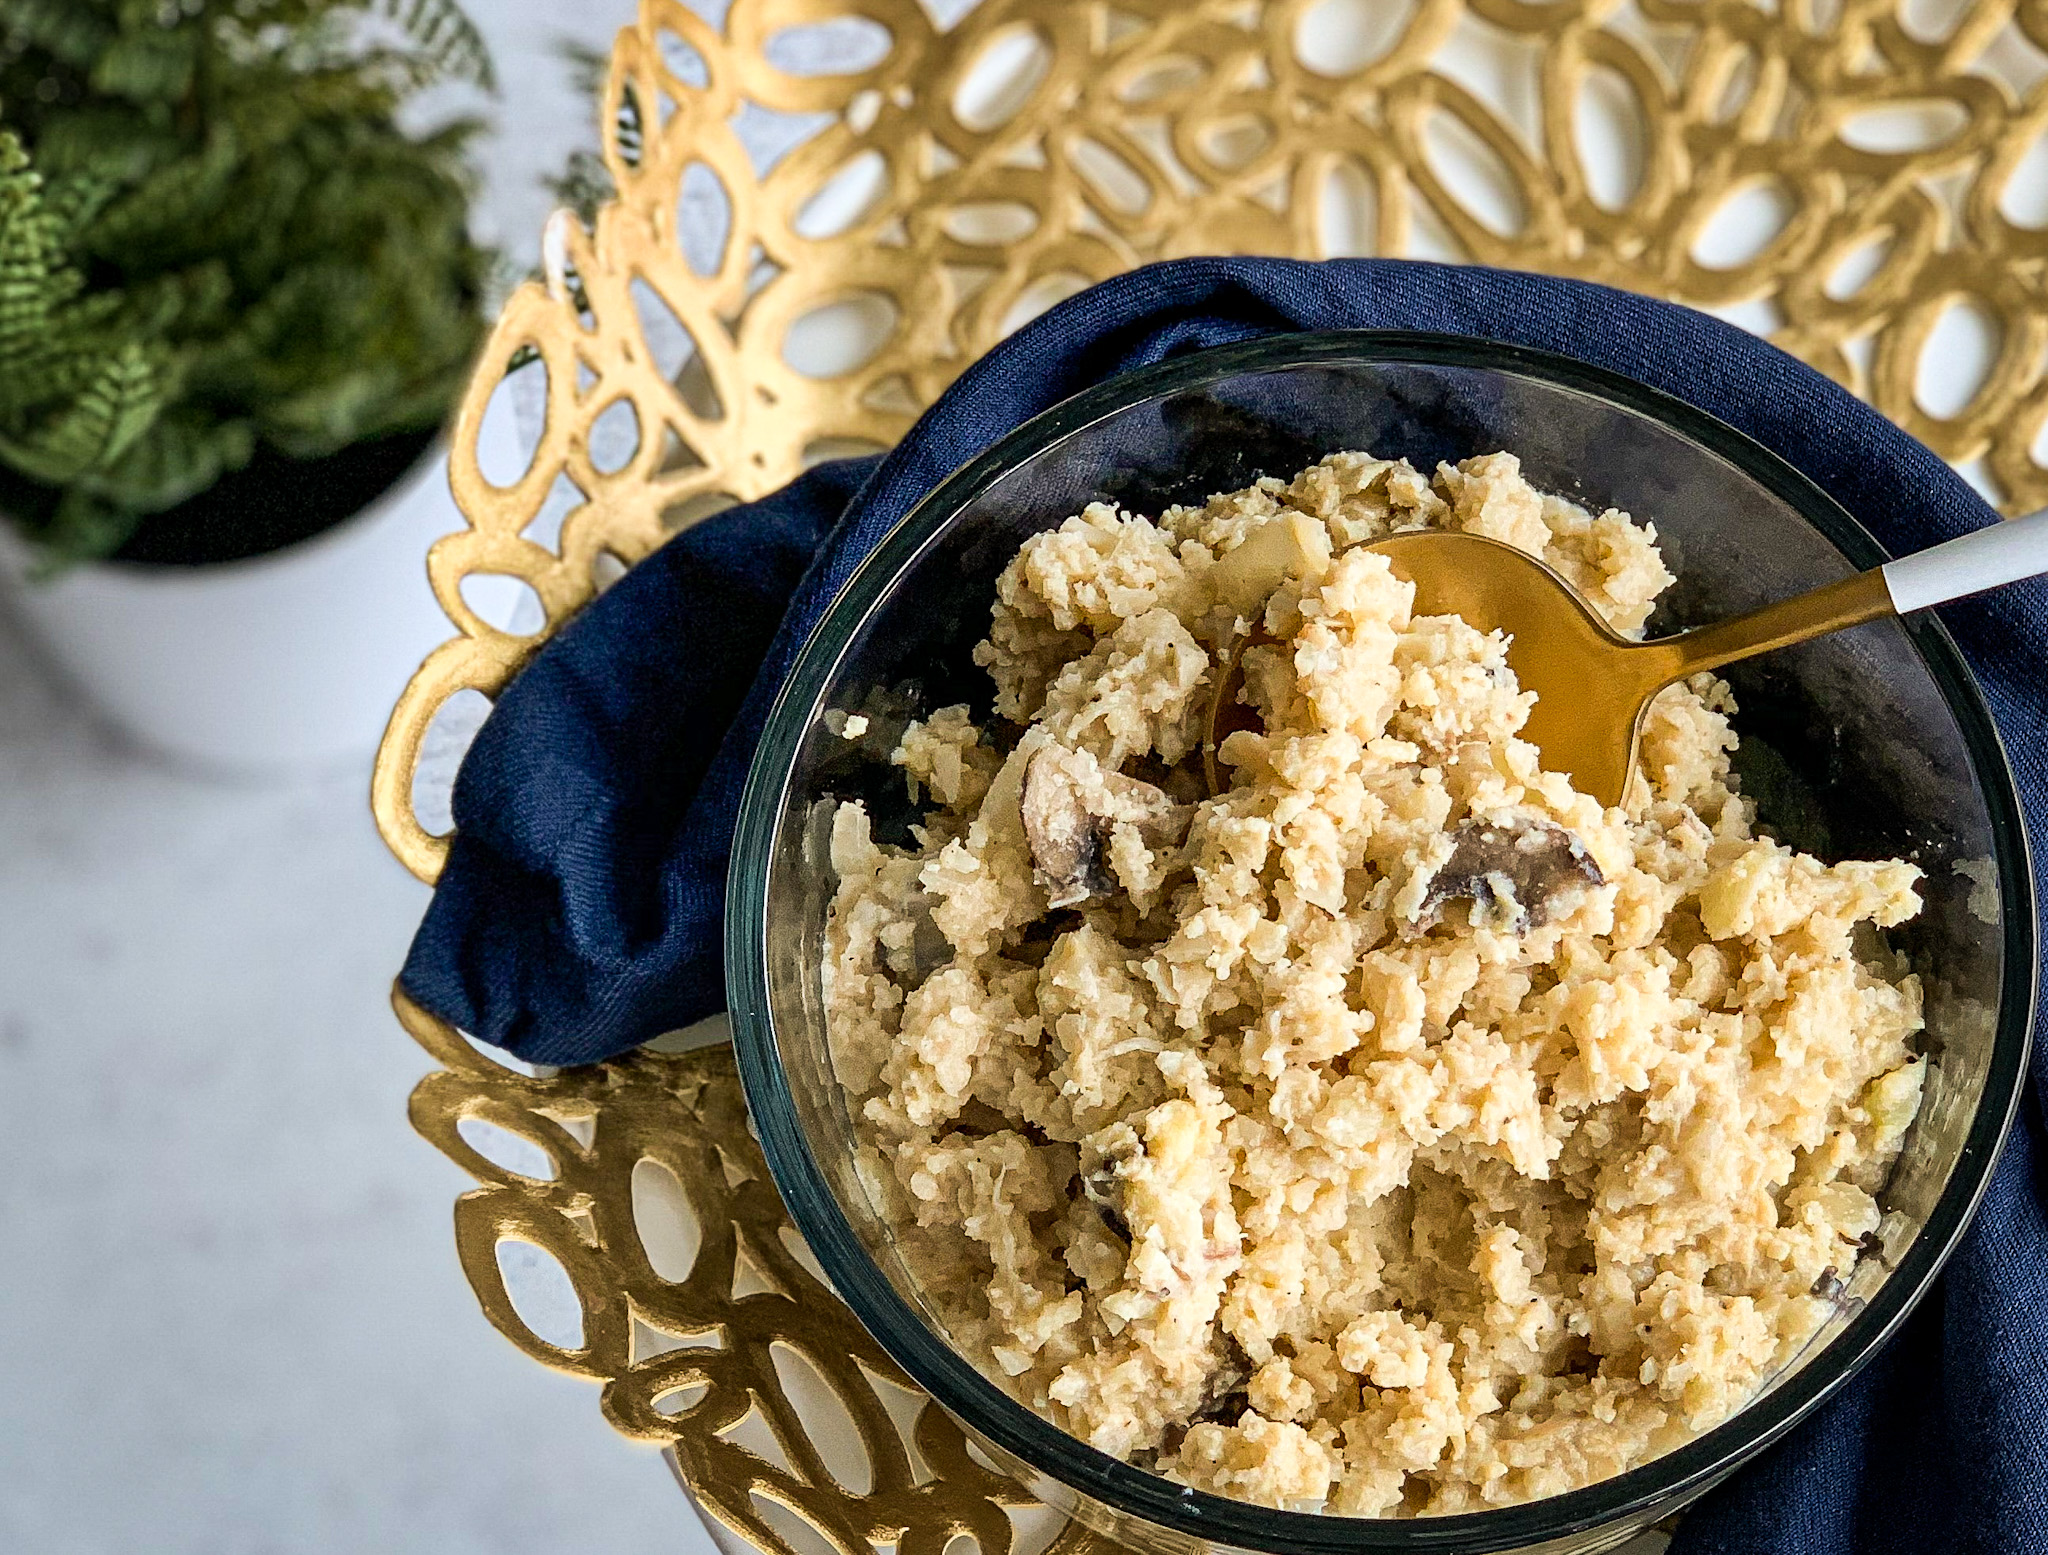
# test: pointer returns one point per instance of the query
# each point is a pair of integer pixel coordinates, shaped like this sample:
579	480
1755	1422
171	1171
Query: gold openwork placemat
1882	165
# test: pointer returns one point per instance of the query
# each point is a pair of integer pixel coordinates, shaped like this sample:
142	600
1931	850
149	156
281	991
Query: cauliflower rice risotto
1394	1132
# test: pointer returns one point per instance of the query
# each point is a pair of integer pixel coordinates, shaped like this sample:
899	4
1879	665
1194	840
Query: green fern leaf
168	214
75	202
95	428
152	65
197	301
269	257
447	37
34	282
104	141
84	525
40	326
177	458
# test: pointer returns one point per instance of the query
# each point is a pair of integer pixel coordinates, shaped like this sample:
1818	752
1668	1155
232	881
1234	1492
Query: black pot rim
420	449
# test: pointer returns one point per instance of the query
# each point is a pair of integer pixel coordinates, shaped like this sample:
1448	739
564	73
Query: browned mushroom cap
1104	1189
1224	1400
1070	808
1528	867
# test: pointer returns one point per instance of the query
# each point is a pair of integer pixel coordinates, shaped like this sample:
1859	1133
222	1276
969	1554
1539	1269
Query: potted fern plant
238	300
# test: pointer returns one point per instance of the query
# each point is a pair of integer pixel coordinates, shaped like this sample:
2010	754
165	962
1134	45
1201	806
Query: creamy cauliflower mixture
1394	1132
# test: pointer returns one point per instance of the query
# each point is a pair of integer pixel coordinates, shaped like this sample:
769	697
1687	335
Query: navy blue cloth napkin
580	910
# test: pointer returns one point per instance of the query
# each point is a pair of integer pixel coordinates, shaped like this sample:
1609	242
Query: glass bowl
1872	743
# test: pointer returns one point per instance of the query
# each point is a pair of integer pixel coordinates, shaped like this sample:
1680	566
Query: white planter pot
292	660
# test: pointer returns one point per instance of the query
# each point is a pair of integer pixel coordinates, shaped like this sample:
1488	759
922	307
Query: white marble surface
231	1318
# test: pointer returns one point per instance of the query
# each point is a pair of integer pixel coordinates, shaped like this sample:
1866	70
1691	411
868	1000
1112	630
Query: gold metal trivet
686	1356
1138	130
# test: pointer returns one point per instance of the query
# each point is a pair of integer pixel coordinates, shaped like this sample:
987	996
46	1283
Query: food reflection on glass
1373	1122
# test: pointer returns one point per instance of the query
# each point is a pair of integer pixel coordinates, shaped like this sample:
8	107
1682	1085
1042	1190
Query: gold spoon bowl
1592	684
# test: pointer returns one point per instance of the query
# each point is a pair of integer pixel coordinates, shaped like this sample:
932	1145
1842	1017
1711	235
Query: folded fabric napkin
580	910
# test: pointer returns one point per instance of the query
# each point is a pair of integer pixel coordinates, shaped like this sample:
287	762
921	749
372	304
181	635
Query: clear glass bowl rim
954	1382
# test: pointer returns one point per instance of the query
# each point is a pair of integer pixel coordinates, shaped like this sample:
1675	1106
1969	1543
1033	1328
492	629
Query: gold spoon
1592	685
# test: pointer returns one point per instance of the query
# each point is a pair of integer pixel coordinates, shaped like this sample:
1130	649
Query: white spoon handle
1986	559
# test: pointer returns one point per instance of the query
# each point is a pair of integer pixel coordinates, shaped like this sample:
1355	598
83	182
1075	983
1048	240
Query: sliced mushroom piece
1227	1396
1104	1190
929	947
1224	1401
1069	841
1071	805
1522	870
